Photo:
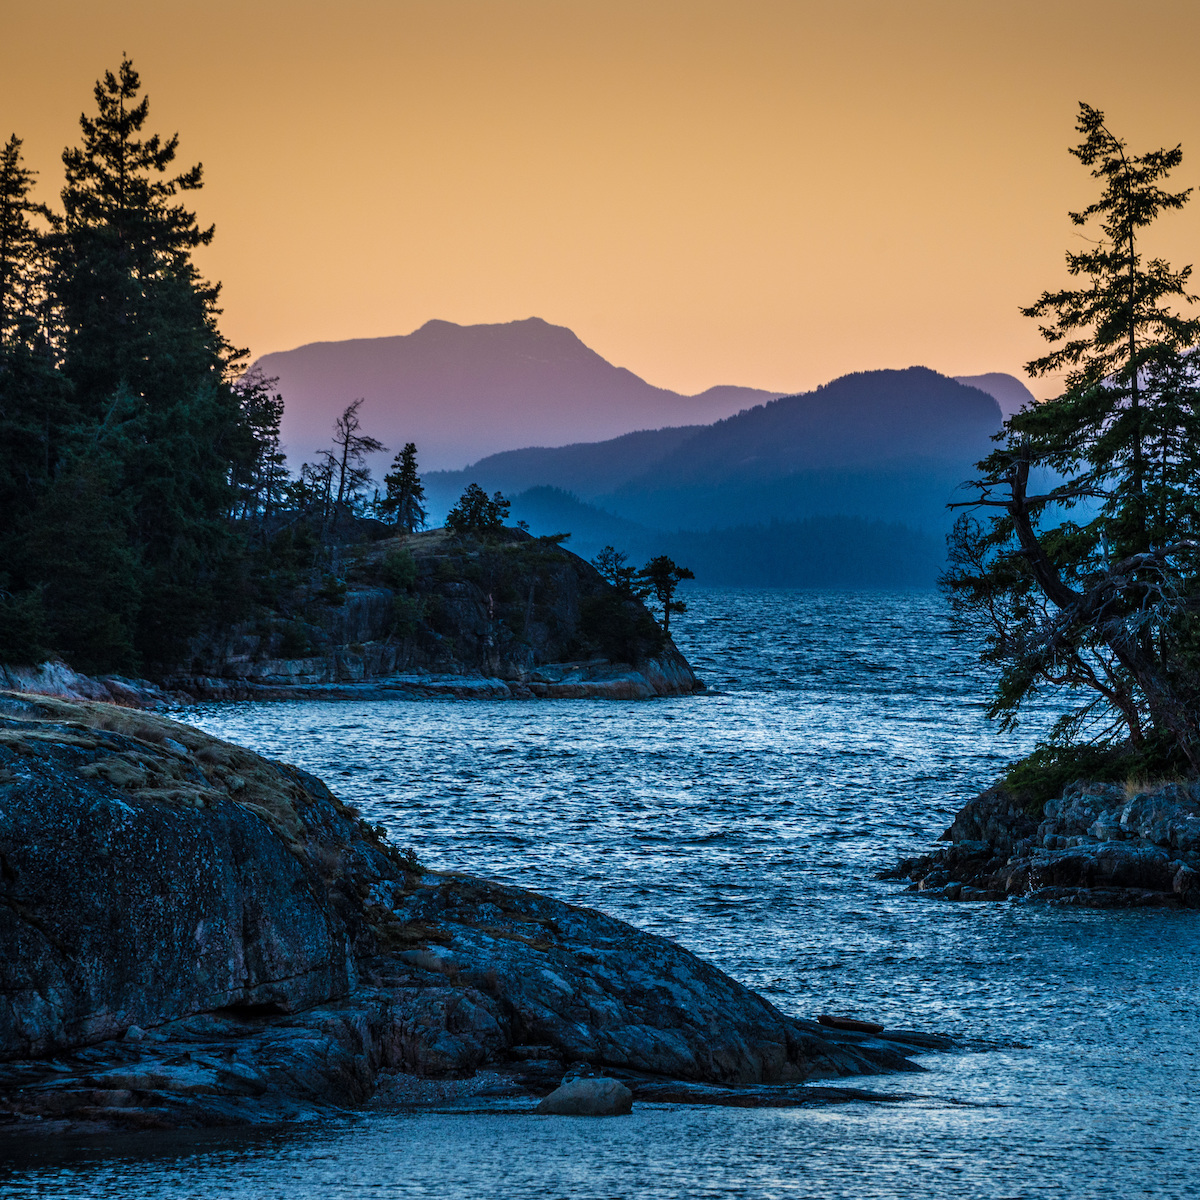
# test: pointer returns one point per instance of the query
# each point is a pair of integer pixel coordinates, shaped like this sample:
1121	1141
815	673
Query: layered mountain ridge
751	497
464	391
744	481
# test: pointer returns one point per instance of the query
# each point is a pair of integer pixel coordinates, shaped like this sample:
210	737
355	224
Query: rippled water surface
841	731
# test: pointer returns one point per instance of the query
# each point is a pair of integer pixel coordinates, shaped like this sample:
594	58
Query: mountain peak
462	392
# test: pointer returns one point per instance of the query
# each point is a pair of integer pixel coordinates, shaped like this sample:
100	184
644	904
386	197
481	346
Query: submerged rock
196	935
1099	845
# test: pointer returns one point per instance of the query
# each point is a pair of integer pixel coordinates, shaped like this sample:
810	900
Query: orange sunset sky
762	193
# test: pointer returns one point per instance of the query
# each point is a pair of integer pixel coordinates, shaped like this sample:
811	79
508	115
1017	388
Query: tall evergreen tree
403	502
20	244
1102	607
147	366
136	310
34	401
1115	338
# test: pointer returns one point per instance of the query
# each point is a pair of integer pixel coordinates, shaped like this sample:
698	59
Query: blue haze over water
842	731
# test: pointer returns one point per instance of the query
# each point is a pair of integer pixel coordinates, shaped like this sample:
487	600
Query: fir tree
34	401
20	245
146	364
477	512
402	504
136	310
258	472
663	575
1101	607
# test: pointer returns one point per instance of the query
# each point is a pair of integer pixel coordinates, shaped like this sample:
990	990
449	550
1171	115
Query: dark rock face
428	615
435	613
195	935
1099	845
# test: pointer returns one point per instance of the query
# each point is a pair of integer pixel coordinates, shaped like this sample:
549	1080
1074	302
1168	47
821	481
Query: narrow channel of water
842	731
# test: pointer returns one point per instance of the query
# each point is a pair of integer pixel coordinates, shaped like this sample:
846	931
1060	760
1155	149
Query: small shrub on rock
399	570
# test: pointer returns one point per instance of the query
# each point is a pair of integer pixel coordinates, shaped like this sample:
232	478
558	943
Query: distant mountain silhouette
868	419
463	391
1007	390
878	445
586	468
843	552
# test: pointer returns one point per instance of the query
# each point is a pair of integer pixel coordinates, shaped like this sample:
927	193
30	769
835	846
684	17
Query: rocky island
370	616
196	936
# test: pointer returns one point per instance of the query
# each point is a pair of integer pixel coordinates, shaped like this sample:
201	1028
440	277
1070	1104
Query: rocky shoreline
197	936
668	674
1100	845
428	616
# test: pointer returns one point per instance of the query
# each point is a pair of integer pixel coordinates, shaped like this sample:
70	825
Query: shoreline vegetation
500	615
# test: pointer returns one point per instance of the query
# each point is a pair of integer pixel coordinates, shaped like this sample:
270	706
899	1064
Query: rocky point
1100	845
195	935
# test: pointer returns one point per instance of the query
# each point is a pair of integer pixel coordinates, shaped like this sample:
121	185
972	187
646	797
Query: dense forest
144	497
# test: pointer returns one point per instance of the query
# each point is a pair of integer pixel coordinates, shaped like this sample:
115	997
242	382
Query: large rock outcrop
1099	845
194	935
498	616
428	615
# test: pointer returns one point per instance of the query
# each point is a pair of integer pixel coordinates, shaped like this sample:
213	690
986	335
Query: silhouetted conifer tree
663	575
403	503
1102	607
349	458
477	512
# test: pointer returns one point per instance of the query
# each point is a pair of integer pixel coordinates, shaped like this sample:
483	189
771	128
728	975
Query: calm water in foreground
842	731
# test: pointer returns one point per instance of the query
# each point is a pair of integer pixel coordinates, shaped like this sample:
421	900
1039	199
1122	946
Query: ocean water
841	731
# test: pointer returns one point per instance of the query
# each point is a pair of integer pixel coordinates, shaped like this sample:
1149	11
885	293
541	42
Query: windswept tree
614	567
402	505
1090	586
351	448
477	512
663	576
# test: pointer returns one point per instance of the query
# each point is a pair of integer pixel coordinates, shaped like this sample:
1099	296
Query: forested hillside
883	445
125	445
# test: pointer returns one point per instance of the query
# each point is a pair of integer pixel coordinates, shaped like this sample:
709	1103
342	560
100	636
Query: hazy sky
762	193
